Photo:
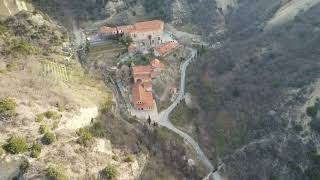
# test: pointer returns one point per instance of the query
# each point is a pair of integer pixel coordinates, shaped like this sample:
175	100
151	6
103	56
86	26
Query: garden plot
56	71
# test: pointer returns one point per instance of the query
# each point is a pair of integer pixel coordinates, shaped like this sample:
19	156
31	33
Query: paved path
163	119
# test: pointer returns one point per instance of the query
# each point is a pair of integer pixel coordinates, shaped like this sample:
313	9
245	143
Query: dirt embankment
56	96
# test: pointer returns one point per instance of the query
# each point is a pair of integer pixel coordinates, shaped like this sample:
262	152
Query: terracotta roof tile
156	63
145	26
106	29
148	26
141	70
142	98
166	48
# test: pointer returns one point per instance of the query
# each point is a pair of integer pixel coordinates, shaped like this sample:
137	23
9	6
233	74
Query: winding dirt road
163	119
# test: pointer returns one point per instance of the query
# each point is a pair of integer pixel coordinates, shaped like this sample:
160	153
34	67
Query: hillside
58	118
252	99
50	96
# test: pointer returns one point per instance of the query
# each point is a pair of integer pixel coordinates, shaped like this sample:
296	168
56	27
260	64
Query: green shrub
55	172
24	166
60	106
7	108
19	46
312	111
85	136
315	125
52	115
39	118
115	158
43	128
36	150
48	138
128	159
110	172
3	29
16	145
106	104
98	129
312	173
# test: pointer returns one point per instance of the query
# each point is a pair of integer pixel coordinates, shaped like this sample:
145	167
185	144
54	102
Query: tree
85	136
16	145
7	108
128	159
312	111
55	172
36	150
39	118
52	115
43	128
110	172
48	138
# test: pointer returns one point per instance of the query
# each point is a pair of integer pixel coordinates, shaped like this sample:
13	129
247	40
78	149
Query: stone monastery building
142	97
149	33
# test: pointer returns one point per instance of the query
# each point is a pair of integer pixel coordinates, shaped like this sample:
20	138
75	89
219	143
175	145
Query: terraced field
56	71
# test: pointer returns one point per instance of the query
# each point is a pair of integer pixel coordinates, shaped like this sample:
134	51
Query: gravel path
163	120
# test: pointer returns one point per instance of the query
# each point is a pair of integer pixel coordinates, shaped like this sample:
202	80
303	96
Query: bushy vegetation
7	108
126	40
157	7
39	118
16	145
23	36
106	104
19	46
24	166
312	112
52	115
36	150
48	138
110	172
56	172
43	128
85	137
313	173
128	158
3	28
97	129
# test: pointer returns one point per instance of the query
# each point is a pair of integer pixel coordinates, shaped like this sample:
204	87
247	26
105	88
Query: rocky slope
251	94
54	96
40	81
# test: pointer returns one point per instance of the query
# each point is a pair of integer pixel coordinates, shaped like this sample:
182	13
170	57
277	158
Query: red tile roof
106	29
157	64
141	98
166	48
125	28
141	70
154	25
